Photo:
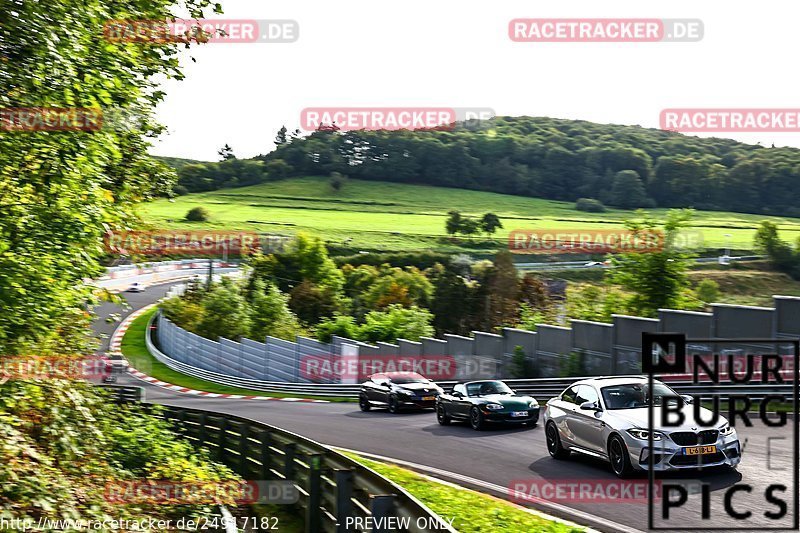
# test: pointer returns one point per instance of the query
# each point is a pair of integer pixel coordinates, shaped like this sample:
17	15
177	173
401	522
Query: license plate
519	413
700	450
428	398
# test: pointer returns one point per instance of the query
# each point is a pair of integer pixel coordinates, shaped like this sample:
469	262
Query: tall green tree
226	313
453	222
448	304
627	191
502	291
269	314
780	253
226	153
60	191
657	279
490	223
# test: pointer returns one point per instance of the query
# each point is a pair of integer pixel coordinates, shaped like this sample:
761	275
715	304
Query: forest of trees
622	166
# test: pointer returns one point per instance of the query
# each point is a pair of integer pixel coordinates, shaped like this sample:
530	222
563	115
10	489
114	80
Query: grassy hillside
392	216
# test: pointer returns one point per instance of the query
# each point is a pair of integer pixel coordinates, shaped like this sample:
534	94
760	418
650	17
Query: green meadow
399	217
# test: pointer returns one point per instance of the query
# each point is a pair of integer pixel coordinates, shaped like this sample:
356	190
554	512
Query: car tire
394	405
619	457
441	416
476	419
364	404
554	446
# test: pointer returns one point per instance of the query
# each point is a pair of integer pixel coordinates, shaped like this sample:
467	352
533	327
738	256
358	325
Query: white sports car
607	417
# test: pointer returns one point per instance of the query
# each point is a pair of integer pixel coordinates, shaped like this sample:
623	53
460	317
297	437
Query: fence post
182	420
344	493
266	456
381	506
314	493
222	437
289	451
201	429
244	449
267	375
296	362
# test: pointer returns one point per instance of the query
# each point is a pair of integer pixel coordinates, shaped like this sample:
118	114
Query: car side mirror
457	394
687	398
387	385
590	406
514	391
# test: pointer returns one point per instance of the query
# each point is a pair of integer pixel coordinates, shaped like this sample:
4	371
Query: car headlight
533	403
493	406
726	430
404	392
643	434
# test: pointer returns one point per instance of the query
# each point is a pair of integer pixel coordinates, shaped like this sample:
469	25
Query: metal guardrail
330	485
123	393
540	388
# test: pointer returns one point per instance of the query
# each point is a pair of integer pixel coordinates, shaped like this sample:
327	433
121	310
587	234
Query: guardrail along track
331	486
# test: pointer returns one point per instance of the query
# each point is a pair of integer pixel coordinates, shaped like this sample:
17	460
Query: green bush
574	365
707	291
396	322
590	205
519	364
339	325
198	214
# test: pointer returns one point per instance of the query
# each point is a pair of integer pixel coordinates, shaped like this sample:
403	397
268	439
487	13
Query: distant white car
136	287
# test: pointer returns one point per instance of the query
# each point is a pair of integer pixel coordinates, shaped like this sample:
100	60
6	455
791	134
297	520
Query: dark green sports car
487	401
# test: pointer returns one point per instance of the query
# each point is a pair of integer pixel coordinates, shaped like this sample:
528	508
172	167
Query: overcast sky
457	53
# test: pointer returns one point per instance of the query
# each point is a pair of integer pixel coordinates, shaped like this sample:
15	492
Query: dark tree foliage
226	153
539	157
449	293
312	303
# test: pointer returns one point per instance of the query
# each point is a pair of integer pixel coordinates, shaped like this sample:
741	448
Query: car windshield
484	388
634	395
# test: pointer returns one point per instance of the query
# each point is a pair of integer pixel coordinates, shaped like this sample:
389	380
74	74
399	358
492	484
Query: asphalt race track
500	456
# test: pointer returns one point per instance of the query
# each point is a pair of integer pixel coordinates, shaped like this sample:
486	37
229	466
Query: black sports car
480	402
396	390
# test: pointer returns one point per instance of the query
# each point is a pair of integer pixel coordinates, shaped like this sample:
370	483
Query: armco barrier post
314	493
381	507
223	437
201	428
244	448
289	453
265	454
344	494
